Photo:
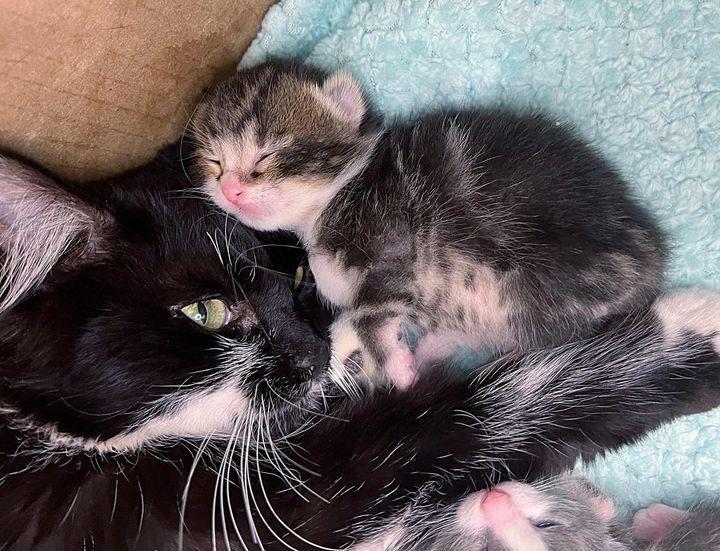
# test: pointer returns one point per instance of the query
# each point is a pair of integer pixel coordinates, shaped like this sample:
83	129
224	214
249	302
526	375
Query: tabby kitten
479	227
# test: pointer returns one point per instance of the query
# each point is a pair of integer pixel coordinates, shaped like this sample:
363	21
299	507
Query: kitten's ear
602	505
41	226
345	97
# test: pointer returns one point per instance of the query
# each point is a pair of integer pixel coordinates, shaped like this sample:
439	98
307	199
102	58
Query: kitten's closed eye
259	167
545	524
215	167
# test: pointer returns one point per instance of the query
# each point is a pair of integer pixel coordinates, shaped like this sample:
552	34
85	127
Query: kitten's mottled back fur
483	227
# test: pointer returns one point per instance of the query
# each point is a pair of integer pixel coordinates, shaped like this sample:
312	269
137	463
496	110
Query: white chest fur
336	284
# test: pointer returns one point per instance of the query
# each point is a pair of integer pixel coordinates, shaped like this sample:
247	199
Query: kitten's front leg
379	337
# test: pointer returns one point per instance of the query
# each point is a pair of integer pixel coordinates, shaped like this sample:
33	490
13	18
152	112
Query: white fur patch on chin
211	413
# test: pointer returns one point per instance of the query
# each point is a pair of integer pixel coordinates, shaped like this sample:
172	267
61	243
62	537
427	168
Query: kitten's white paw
347	357
655	522
689	310
385	360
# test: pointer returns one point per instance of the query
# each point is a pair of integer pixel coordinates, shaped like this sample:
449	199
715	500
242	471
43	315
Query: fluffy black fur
100	343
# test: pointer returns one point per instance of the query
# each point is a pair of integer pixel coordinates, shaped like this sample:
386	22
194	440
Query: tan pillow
88	89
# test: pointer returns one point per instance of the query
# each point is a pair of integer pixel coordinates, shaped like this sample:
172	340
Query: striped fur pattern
477	227
369	471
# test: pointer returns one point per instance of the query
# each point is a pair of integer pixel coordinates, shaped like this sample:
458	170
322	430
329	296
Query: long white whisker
223	478
277	517
186	490
227	492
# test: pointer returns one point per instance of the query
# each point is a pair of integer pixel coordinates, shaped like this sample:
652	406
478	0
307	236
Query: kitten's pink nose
496	498
232	187
498	508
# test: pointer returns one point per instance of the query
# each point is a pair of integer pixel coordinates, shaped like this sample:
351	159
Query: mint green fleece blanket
640	78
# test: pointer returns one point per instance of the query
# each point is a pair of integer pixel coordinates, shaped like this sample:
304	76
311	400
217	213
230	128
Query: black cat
155	367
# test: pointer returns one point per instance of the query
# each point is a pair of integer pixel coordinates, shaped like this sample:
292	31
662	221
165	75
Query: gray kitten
480	228
563	513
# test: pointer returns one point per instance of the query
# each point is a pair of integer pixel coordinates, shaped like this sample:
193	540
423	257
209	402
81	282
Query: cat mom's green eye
299	276
211	314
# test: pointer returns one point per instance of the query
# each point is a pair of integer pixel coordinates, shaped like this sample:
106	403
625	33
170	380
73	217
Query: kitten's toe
400	368
655	522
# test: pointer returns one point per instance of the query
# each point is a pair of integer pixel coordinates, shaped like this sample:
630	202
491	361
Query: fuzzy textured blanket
640	79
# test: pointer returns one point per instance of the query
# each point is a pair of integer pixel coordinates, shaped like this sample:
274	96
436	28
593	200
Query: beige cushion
90	88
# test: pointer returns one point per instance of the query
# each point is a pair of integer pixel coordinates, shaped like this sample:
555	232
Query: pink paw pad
655	522
400	369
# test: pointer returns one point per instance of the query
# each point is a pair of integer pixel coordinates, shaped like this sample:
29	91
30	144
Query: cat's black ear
41	226
345	97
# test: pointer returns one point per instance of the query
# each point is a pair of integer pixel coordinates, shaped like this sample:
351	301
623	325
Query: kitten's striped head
276	142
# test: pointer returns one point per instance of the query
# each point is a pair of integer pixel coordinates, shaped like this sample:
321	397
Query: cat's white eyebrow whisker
229	265
229	269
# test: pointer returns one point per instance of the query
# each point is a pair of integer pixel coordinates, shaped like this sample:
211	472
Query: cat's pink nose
232	187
